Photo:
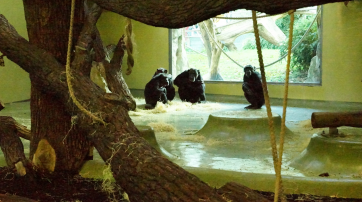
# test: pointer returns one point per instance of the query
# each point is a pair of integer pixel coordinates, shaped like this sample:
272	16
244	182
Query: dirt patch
74	188
61	187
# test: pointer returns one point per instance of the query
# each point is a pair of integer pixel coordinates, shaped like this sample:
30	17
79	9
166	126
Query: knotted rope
67	70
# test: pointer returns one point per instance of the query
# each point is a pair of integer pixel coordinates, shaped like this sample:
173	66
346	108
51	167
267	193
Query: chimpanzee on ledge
252	87
191	87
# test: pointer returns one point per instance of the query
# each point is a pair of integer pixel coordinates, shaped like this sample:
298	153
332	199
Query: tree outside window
220	47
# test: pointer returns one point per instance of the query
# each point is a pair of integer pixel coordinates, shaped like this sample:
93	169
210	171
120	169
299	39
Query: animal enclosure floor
178	130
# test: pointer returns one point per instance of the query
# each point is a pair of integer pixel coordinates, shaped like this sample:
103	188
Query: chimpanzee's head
248	70
163	79
161	70
193	74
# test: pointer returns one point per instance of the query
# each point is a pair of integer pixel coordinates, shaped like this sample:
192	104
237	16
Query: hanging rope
267	102
279	59
285	101
67	70
129	46
216	43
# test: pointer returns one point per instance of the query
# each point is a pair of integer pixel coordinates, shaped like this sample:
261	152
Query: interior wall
341	53
150	49
14	81
341	63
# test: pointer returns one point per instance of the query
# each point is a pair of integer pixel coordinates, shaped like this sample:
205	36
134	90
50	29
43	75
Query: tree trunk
212	49
267	29
179	57
137	167
140	170
49	119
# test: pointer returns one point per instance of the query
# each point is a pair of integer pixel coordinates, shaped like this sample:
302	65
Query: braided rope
267	102
285	101
129	46
67	70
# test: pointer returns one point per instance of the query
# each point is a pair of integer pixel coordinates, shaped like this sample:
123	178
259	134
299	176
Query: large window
221	46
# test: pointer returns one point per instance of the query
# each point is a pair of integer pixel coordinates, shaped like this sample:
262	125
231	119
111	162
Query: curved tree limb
137	167
183	13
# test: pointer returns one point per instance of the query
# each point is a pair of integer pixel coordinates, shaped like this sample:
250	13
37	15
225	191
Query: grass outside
233	72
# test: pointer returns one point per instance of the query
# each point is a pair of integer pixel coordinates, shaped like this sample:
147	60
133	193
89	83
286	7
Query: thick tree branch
143	172
10	142
115	80
182	13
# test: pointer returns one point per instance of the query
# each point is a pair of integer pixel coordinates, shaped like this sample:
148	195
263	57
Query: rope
67	70
267	102
129	46
285	101
214	40
300	41
283	56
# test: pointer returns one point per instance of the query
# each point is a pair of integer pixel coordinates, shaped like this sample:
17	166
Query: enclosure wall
341	57
341	60
14	81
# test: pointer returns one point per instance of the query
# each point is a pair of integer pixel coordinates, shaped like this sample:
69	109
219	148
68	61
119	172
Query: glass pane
220	47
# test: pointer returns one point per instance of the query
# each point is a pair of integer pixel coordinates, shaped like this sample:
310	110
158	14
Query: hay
173	106
162	127
167	136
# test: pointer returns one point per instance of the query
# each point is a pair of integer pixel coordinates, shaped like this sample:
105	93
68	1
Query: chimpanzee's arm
182	79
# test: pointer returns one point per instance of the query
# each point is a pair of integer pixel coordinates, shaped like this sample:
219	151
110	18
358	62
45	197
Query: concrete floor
231	146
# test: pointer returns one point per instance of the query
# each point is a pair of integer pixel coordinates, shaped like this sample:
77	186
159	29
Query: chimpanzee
252	87
155	90
170	89
191	87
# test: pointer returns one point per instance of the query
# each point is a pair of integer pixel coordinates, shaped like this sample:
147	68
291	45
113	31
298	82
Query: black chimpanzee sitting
252	87
155	90
170	89
191	87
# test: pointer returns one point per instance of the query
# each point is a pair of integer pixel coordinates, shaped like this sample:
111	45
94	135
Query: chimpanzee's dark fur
170	89
155	90
191	87
252	87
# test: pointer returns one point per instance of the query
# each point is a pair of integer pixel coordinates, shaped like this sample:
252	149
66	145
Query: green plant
306	50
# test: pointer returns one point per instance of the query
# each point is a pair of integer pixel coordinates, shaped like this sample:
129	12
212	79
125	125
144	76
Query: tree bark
49	119
239	193
183	13
12	198
213	51
10	142
143	173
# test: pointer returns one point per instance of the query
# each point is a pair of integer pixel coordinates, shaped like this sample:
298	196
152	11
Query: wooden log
10	142
336	119
239	193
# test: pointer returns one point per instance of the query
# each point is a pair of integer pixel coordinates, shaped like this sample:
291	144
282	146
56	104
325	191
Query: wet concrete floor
230	146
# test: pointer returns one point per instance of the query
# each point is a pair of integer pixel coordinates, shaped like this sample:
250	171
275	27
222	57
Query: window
220	47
